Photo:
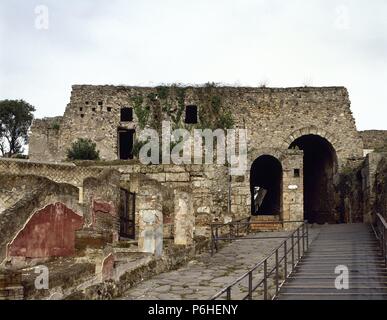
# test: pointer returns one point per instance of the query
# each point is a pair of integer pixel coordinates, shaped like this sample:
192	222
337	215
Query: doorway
125	143
265	186
127	214
320	164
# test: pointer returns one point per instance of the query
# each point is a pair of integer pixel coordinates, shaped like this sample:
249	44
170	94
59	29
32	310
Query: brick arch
311	130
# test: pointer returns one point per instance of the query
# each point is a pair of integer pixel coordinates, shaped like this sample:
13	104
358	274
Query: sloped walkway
204	277
350	245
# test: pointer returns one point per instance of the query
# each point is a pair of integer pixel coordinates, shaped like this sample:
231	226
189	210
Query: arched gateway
266	186
320	167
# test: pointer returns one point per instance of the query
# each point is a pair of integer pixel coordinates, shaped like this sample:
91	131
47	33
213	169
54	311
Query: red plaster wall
103	214
103	206
50	232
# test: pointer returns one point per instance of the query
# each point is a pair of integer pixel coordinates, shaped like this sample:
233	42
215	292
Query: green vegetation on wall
212	112
169	102
142	112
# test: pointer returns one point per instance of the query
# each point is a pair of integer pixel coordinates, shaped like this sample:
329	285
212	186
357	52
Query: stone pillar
184	221
292	188
149	200
80	195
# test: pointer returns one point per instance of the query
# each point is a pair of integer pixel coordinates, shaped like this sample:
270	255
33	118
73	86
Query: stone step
265	227
332	290
12	293
334	296
126	243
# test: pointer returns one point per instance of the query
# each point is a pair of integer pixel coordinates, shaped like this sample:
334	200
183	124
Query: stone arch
275	153
313	130
319	171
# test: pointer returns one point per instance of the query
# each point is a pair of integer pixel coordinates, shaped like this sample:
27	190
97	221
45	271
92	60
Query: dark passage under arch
319	168
265	186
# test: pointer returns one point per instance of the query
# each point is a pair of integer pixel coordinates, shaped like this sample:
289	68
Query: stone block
179	177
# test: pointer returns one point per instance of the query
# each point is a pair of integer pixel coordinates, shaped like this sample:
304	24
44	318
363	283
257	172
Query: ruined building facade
296	136
305	161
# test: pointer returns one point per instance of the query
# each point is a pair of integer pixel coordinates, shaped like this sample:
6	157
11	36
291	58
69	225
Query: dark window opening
109	109
94	109
191	114
100	103
80	109
265	186
126	114
87	102
125	143
82	115
319	168
296	173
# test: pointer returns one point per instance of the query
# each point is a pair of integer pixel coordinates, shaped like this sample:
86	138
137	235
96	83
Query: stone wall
374	139
208	185
353	193
24	218
361	189
274	117
380	188
13	190
44	141
49	219
58	172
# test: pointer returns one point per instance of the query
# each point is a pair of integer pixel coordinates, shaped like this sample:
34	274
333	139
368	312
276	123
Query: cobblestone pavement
204	277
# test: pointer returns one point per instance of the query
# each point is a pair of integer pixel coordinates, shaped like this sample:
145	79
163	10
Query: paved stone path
204	277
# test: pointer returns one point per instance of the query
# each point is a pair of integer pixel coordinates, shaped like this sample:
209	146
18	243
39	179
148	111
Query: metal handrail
239	230
302	236
381	230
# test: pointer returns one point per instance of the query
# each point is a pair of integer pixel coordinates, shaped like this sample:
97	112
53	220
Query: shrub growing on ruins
83	149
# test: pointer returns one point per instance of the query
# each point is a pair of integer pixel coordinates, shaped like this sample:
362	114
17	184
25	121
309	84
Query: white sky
148	42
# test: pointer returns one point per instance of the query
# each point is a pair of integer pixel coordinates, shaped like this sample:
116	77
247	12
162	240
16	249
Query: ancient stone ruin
102	226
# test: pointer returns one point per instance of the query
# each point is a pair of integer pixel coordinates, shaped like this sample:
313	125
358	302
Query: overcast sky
148	42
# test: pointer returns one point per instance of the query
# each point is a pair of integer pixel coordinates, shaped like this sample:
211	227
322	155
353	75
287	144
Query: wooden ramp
351	245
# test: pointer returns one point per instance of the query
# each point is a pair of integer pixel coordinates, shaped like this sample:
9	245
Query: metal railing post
285	259
212	240
250	285
307	236
265	280
298	244
216	238
303	238
384	246
276	273
228	293
293	252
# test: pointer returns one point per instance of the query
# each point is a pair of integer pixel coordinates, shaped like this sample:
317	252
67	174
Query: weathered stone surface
184	218
205	276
